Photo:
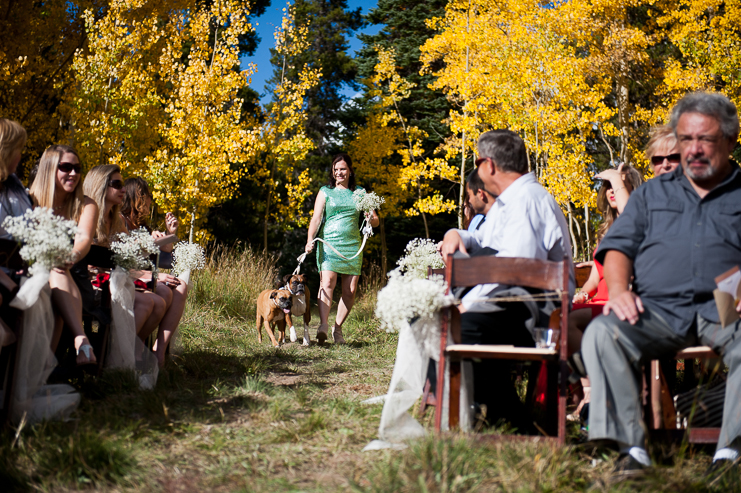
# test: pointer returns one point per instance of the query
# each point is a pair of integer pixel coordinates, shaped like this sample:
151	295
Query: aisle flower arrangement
46	238
188	257
418	255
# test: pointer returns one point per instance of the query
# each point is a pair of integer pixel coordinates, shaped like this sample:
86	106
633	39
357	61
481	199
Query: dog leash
365	228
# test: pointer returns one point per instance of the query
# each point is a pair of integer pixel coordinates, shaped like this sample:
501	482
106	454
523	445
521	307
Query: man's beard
704	175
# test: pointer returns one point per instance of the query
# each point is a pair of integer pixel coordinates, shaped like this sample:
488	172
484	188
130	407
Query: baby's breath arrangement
188	256
367	201
46	237
407	297
418	255
131	251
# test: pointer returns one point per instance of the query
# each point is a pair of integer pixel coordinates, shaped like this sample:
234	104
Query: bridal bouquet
131	251
367	201
418	255
188	257
46	238
406	298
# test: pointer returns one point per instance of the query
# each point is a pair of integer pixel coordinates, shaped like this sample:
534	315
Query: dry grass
231	415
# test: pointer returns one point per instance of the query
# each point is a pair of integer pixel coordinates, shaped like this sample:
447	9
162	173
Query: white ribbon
366	229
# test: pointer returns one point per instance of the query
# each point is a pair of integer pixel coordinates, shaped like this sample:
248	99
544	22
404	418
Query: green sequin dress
340	228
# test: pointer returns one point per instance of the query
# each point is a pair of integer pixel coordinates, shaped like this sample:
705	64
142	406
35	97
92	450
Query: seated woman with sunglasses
590	300
57	186
135	211
105	185
662	151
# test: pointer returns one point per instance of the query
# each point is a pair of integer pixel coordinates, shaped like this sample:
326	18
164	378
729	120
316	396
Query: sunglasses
480	161
672	158
68	167
116	184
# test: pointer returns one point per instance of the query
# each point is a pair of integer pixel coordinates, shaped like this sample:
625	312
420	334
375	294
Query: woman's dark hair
632	180
348	161
133	205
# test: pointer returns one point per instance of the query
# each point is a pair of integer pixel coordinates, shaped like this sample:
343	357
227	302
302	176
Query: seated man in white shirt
479	199
525	221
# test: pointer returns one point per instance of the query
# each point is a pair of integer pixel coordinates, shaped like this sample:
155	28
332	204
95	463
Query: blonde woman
662	151
58	187
14	201
105	185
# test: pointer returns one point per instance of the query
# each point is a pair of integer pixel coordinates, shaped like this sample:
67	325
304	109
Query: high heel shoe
337	335
321	333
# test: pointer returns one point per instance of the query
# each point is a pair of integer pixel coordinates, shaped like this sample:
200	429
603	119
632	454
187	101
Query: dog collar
288	288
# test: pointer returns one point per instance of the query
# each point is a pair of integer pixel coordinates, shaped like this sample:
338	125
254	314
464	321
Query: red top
601	294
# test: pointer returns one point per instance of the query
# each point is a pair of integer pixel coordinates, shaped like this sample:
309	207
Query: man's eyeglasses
116	184
672	158
68	167
480	161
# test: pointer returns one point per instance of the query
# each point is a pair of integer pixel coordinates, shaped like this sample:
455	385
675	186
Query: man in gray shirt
677	233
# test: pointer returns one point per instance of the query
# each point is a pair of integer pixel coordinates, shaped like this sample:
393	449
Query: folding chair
532	273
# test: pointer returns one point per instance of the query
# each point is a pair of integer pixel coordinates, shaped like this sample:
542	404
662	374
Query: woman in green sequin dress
339	228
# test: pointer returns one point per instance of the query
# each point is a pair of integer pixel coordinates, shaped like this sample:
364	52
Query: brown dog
300	298
273	306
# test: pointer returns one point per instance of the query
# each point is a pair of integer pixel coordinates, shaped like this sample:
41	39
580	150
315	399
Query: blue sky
266	27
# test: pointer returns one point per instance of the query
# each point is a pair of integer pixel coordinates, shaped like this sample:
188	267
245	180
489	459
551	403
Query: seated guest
58	186
525	221
14	201
135	210
661	151
677	233
479	199
590	300
105	185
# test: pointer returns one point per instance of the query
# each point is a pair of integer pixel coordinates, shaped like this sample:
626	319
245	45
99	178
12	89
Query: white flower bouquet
367	201
131	251
418	255
47	238
406	298
188	257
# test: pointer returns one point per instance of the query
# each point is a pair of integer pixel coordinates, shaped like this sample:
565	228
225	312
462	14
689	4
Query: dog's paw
293	335
306	342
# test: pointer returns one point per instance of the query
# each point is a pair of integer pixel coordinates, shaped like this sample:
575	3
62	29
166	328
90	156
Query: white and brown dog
273	307
300	304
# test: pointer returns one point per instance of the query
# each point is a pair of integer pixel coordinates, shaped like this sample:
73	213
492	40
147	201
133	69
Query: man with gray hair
677	233
525	221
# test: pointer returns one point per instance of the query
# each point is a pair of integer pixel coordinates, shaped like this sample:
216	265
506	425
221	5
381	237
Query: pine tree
331	24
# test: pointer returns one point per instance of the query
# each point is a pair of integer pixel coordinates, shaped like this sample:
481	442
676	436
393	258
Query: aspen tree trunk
586	231
267	208
462	188
571	231
623	102
384	258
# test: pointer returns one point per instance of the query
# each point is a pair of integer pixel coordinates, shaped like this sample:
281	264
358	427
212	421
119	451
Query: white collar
514	188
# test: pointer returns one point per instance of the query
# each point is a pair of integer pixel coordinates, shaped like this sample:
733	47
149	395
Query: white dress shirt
525	221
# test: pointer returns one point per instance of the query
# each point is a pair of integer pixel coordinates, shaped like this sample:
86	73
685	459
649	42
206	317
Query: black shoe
627	468
718	468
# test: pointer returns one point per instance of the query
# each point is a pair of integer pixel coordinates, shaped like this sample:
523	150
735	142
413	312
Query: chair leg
454	405
439	392
425	395
552	400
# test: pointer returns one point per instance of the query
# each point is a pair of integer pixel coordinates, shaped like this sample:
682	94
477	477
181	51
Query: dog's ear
273	295
287	278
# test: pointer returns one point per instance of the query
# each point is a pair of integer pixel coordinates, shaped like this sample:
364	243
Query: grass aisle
229	414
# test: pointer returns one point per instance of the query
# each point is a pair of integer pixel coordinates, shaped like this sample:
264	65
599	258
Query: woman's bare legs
158	311
327	282
171	319
578	321
68	303
349	287
143	306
